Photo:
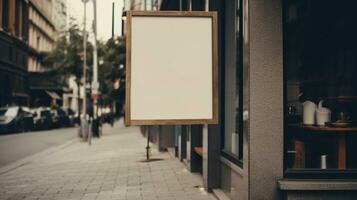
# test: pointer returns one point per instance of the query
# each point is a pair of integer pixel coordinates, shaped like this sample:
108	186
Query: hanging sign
171	68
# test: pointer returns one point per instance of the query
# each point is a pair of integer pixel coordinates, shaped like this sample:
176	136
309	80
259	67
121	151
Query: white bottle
309	109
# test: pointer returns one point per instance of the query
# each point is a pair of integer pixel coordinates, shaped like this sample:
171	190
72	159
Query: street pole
123	21
113	20
84	124
95	83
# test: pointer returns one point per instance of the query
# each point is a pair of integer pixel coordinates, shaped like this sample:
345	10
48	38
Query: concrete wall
266	99
263	102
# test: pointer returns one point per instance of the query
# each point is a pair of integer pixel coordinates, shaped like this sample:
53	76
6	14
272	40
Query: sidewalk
111	168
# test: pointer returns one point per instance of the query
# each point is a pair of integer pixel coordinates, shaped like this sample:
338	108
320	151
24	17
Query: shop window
233	83
320	67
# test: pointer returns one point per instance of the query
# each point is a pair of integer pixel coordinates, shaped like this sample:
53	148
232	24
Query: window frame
236	159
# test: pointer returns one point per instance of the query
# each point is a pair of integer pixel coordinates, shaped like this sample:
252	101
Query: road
16	146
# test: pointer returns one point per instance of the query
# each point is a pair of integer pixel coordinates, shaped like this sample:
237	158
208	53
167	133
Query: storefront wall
266	99
263	104
261	175
259	172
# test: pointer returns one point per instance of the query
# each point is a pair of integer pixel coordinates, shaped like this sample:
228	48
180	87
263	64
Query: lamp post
113	20
84	123
95	83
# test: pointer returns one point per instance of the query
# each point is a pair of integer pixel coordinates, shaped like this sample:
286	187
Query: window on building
320	67
5	14
18	18
24	27
38	39
233	82
11	11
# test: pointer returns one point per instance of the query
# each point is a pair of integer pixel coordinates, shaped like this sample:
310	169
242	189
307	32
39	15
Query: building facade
283	65
47	19
13	52
42	32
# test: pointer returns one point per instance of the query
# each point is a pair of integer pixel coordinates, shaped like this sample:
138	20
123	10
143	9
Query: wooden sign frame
167	14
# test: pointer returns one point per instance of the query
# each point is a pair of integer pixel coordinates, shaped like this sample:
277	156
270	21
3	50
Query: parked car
60	118
42	118
28	118
15	119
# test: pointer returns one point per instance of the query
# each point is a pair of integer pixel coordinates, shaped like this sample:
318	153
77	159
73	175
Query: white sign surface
171	70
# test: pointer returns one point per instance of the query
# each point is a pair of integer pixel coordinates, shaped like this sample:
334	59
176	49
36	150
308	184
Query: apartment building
59	16
47	18
42	32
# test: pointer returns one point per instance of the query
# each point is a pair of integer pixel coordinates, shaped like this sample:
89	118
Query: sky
104	16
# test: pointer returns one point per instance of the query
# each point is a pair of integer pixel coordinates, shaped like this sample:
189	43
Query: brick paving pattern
111	168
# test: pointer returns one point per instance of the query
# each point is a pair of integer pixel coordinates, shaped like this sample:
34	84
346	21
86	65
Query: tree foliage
66	59
112	69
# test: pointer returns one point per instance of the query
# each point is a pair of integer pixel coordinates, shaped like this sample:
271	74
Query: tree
65	60
112	69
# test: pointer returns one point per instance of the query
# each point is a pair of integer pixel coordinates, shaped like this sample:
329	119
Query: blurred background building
42	32
28	28
59	15
47	19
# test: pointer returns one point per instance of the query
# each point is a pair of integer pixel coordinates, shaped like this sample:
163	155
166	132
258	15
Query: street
16	146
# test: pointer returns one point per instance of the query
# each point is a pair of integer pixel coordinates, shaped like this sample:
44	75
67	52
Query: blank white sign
171	69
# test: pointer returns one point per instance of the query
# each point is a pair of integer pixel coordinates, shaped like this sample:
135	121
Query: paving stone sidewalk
111	168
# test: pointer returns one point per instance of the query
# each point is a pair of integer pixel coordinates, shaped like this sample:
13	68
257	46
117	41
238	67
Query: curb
34	157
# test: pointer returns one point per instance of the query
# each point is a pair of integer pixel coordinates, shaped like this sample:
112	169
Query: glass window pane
320	58
233	80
